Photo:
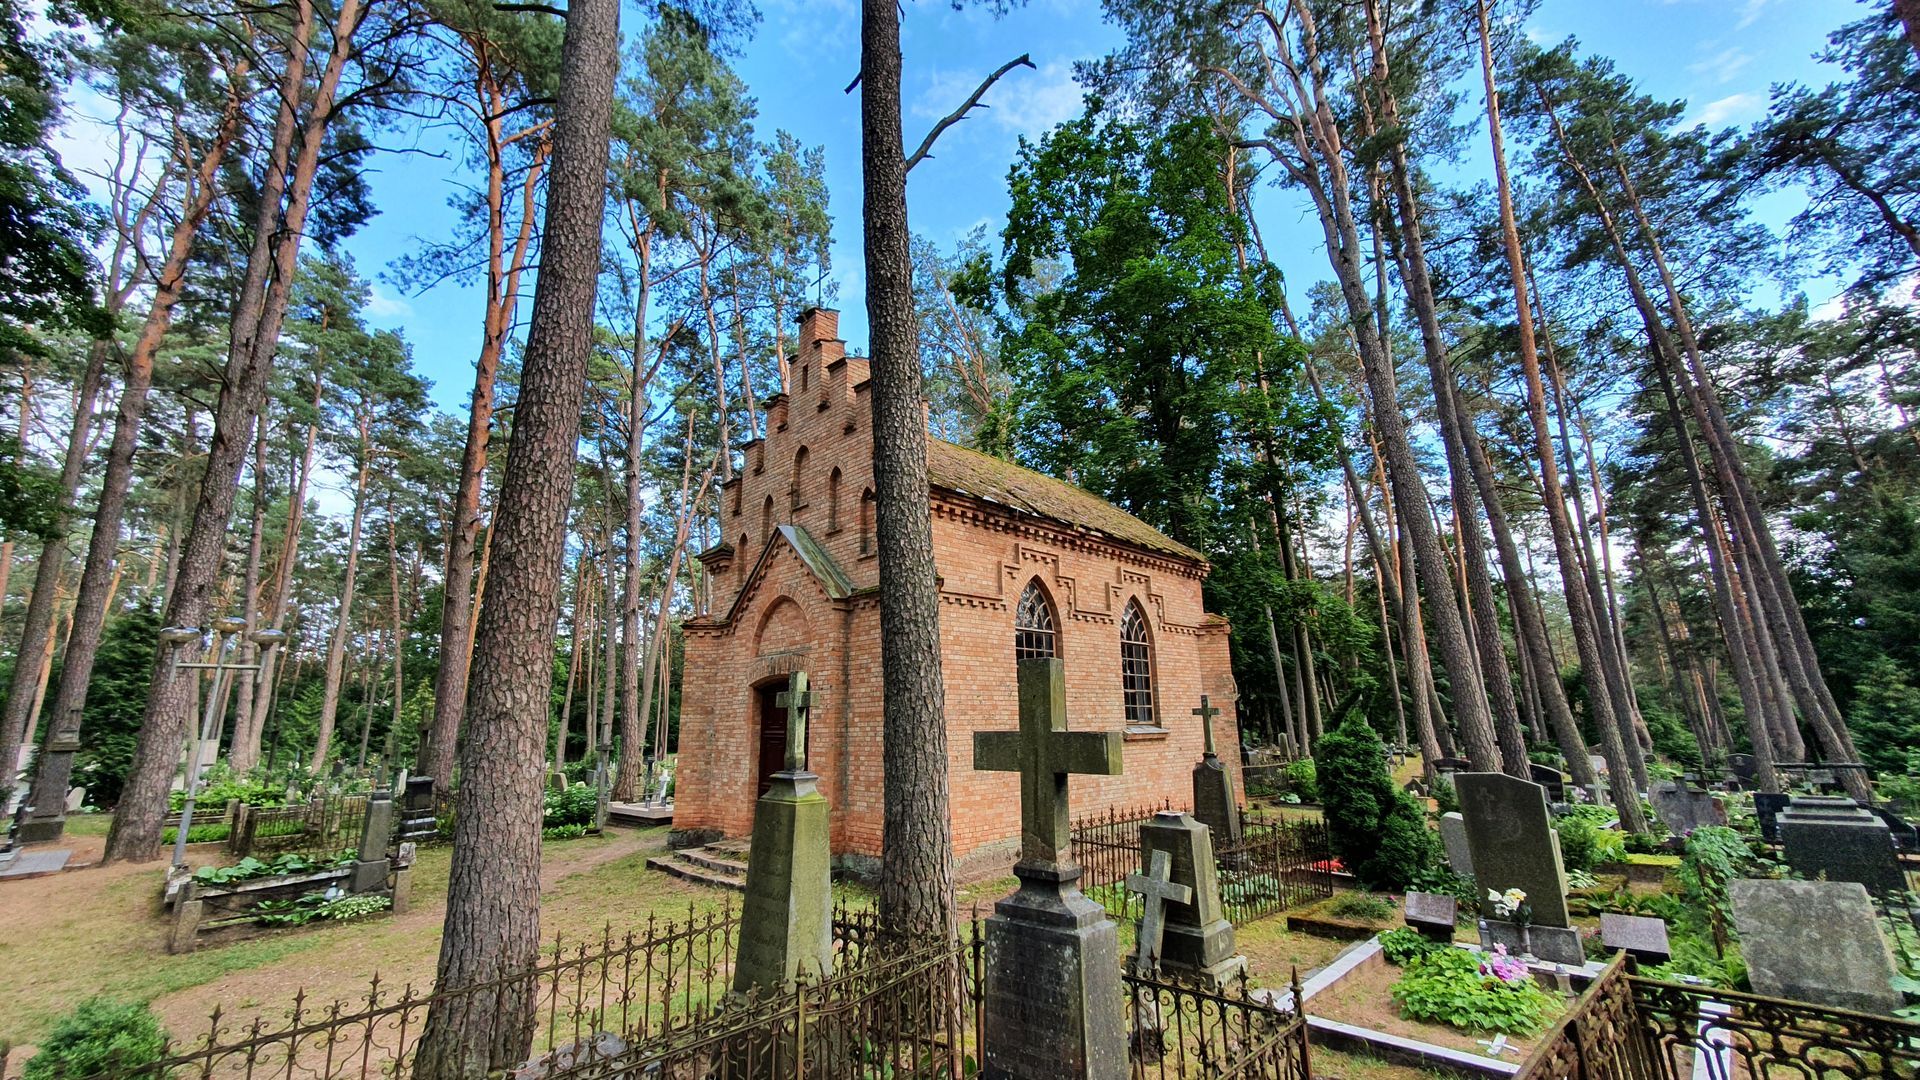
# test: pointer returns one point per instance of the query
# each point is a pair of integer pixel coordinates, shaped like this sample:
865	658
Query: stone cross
1206	712
1044	753
1156	887
797	700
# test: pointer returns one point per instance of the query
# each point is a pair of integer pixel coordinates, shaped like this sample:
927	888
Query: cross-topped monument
797	700
1206	712
1053	996
1156	888
1045	753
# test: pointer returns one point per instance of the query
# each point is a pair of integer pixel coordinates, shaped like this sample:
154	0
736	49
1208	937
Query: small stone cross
796	699
1156	887
1497	1046
1044	752
1206	712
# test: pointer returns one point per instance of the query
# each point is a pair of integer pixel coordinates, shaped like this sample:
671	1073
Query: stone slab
1816	941
1453	833
1513	845
1645	939
30	864
1555	944
1433	914
1199	939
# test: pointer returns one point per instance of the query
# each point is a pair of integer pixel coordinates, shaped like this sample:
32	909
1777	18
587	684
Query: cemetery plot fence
1182	1029
322	827
1276	865
1625	1027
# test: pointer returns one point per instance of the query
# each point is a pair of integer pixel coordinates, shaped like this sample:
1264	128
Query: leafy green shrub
1640	844
302	910
1364	907
199	834
565	832
249	868
1591	813
1579	846
1404	943
1303	780
220	785
1441	879
574	805
1609	846
98	1038
1447	986
1377	830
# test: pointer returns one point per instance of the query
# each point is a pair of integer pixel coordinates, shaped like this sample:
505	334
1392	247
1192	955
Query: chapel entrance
772	721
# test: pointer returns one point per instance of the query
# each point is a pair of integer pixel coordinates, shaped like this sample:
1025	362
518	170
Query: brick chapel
1028	566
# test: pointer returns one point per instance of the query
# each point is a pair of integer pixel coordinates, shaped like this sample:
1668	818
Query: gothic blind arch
833	500
795	484
1036	633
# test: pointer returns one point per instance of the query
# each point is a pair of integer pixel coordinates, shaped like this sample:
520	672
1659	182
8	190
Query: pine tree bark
1626	797
257	316
916	875
493	895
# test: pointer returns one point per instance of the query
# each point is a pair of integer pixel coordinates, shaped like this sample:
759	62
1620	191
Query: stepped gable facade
1028	565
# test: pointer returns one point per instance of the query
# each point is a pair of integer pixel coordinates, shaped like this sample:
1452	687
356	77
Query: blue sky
1721	55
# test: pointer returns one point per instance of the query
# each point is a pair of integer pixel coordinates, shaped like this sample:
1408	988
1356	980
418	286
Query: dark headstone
1906	839
1433	914
416	809
1213	802
1643	938
1743	768
1835	839
1815	941
1767	806
1684	809
1513	844
1548	777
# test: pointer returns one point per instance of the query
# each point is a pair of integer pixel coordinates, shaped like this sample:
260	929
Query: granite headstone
1213	801
1453	833
1835	839
1645	939
1433	914
1550	778
1684	809
1816	941
1198	941
1513	844
786	922
1766	807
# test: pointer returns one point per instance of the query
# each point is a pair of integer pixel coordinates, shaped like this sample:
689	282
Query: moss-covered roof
1002	483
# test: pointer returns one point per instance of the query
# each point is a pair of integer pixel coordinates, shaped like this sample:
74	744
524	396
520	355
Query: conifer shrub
1377	830
99	1037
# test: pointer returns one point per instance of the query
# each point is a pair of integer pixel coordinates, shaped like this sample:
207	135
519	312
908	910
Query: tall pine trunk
343	622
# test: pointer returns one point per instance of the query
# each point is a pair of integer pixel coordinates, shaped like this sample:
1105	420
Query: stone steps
707	866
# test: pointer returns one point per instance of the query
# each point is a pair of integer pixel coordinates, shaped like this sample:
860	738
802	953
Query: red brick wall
985	558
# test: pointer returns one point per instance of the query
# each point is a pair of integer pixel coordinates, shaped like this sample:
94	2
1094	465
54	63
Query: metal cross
1206	712
1044	752
1156	887
796	699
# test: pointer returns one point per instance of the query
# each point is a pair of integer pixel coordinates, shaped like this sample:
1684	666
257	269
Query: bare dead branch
959	114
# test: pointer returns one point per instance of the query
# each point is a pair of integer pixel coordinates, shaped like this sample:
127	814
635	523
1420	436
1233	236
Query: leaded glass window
1033	625
1136	666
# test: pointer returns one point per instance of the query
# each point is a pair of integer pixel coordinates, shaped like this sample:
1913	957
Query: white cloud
1723	66
1024	102
1731	109
387	307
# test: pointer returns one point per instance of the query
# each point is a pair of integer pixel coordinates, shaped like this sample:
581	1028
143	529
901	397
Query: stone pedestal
786	923
1199	939
43	824
370	863
1834	839
1054	1004
1557	944
1213	802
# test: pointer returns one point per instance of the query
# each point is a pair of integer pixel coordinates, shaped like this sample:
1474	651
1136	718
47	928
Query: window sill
1145	734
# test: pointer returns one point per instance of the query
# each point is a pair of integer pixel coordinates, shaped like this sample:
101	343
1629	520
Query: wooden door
773	735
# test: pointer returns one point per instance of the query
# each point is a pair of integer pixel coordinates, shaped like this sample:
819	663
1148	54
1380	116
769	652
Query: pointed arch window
1035	632
866	522
1136	666
795	486
833	501
766	518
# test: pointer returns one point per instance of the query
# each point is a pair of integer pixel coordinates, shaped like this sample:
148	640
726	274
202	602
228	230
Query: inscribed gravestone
370	861
1199	939
1453	833
1213	801
786	923
1513	845
1645	939
1743	768
1767	806
1157	889
1833	838
1548	777
1815	941
1053	999
1684	809
1433	914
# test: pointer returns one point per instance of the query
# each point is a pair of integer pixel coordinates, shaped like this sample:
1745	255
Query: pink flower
1500	966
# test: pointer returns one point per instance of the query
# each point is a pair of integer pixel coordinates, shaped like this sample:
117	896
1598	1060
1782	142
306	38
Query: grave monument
1815	941
1198	940
1213	801
1833	838
786	922
1684	809
1510	836
1054	1006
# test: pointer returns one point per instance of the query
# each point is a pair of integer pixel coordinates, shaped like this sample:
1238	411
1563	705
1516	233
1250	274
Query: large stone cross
796	699
1156	887
1206	712
1044	753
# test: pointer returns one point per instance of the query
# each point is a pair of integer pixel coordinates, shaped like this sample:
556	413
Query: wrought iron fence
1184	1029
1274	866
320	827
1625	1027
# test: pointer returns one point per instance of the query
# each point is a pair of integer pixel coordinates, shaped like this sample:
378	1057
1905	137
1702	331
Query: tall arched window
794	485
833	501
866	522
1136	666
1034	634
766	518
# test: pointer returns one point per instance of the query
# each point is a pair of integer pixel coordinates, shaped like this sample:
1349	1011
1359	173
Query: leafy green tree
1885	716
115	695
